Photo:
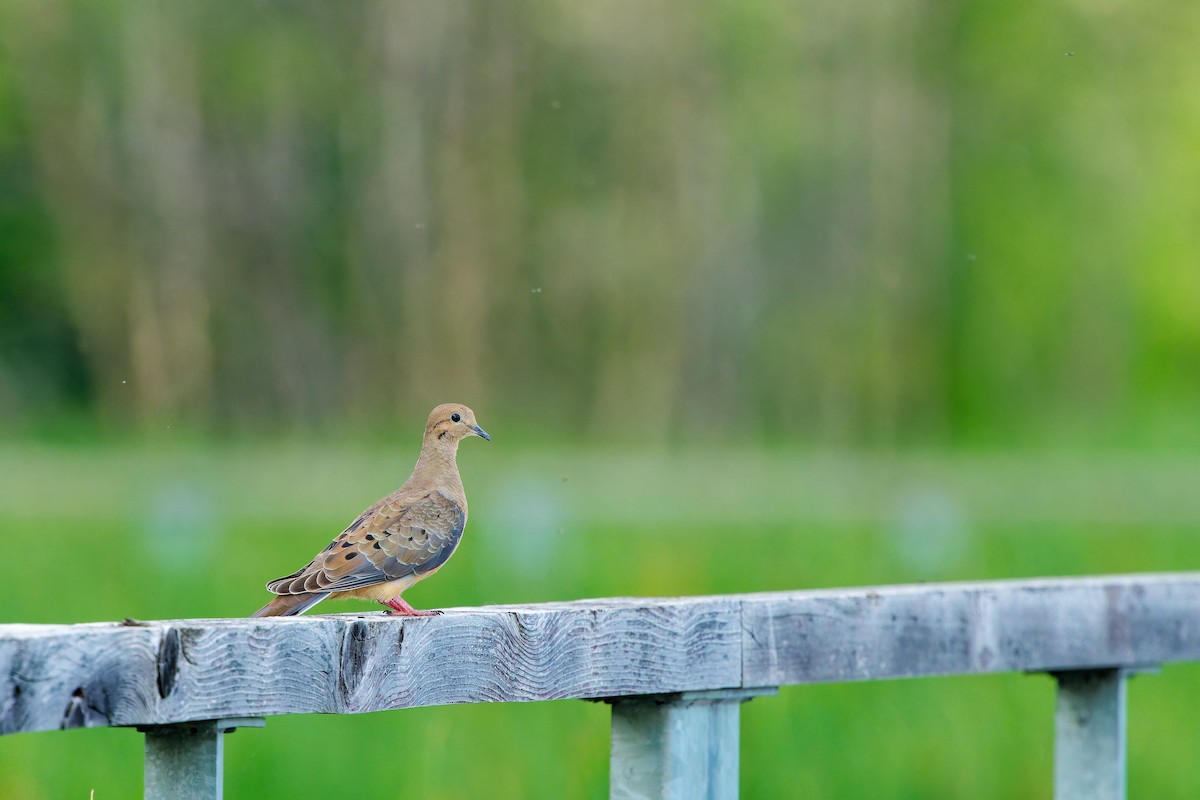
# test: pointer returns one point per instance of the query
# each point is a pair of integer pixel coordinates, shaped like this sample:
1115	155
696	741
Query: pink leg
399	608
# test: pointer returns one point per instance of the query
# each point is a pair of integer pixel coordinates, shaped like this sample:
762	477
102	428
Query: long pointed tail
289	605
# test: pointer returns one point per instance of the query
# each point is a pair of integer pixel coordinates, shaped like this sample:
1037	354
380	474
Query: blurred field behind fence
752	294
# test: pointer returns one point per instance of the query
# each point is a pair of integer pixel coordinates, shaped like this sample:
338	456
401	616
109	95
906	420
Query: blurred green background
752	295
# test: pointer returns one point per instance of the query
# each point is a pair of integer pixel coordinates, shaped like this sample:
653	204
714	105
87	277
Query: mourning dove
403	538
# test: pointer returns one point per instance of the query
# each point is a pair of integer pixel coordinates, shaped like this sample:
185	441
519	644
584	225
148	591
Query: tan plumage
399	540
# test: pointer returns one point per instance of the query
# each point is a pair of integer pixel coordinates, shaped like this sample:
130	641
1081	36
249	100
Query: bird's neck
438	465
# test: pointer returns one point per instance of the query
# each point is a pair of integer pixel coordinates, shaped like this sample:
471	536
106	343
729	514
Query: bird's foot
400	608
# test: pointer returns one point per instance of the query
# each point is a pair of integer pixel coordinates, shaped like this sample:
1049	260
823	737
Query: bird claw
400	608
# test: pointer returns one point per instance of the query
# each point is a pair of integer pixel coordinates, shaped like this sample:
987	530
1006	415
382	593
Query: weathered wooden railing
675	670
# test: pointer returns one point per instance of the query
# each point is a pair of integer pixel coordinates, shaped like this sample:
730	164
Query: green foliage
837	224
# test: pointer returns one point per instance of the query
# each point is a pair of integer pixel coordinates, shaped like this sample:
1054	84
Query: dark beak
480	432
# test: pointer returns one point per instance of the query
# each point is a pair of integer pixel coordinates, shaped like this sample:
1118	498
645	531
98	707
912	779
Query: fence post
677	746
185	761
1089	735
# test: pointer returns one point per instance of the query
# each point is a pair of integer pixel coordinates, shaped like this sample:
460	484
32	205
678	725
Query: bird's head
450	423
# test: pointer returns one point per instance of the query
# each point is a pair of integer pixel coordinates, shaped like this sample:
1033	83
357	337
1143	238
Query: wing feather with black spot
388	541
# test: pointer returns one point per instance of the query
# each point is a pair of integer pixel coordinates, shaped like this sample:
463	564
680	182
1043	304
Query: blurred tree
845	224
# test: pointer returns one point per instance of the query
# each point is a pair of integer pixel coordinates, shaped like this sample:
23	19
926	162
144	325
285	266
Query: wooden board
62	676
109	674
970	628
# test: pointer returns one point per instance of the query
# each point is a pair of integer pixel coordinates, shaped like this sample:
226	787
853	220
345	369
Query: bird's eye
456	417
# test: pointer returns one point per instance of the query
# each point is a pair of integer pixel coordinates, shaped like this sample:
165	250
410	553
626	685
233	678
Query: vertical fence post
185	761
1089	735
677	746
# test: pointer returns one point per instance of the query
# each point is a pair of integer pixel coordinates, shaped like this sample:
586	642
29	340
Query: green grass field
102	534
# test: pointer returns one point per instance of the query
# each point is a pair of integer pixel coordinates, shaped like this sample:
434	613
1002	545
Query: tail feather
289	605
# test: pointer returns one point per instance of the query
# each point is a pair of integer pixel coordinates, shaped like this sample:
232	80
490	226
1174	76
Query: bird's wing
388	541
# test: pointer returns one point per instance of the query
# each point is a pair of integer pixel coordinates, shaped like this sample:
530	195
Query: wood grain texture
108	674
971	628
678	747
59	676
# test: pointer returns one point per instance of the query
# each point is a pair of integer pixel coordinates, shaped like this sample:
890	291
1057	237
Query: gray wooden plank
55	676
106	674
970	628
677	747
1089	735
185	762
